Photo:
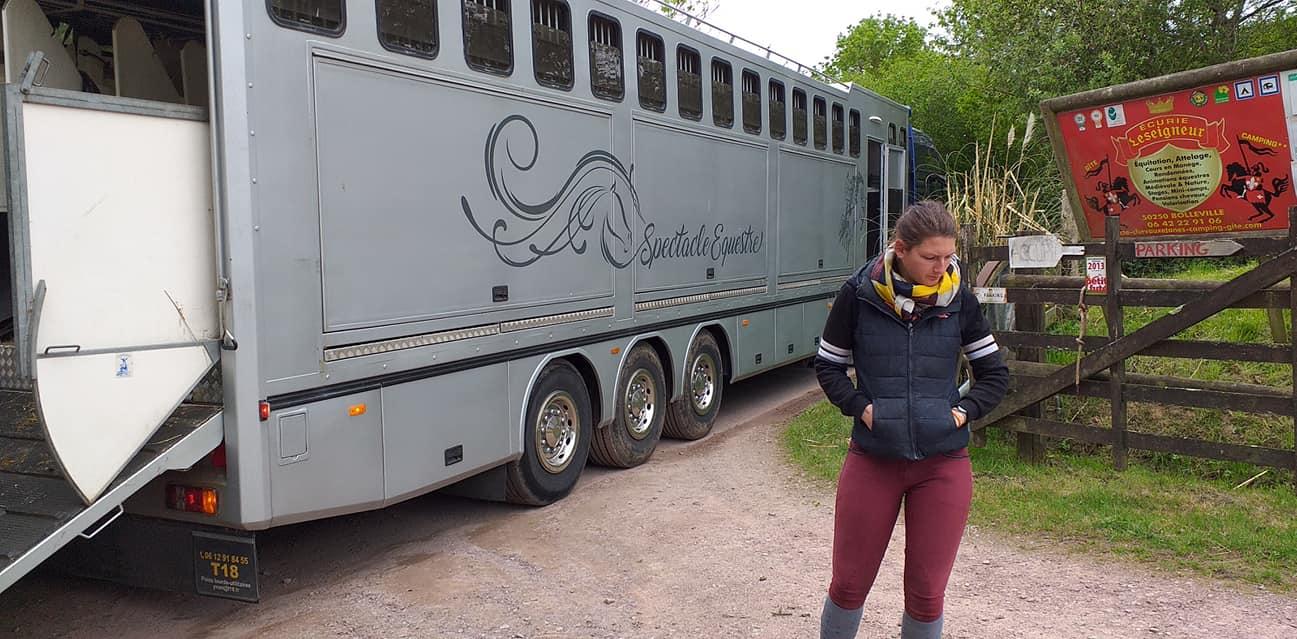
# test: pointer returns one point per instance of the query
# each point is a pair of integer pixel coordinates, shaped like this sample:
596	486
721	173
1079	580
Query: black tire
641	405
556	438
692	416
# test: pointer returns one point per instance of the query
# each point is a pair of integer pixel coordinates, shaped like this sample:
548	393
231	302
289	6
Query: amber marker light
616	350
192	500
357	410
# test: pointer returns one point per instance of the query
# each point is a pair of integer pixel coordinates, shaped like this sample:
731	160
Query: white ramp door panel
128	262
99	410
26	29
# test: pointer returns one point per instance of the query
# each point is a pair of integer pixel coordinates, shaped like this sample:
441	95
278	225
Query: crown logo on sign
1165	105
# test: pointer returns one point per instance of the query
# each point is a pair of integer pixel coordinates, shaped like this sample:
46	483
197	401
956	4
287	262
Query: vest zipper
909	390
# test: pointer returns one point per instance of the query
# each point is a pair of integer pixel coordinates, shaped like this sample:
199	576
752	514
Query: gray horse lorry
271	261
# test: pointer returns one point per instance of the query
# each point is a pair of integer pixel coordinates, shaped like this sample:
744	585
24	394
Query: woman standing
903	320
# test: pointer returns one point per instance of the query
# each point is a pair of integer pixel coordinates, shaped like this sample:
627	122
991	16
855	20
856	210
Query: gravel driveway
718	538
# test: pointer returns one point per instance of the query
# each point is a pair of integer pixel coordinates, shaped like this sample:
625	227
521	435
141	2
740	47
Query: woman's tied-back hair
923	220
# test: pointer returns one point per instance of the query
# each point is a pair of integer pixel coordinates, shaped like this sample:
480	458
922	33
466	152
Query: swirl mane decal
598	185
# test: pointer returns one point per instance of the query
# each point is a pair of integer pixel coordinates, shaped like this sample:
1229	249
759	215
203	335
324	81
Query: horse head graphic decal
599	192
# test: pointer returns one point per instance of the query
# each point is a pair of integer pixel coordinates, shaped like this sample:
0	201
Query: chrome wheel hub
557	428
702	384
641	404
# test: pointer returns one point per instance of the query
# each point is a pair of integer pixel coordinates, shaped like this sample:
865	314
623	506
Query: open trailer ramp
39	510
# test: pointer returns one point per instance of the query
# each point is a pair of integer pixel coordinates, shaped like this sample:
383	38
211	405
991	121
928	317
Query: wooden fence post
1030	318
1112	312
1278	328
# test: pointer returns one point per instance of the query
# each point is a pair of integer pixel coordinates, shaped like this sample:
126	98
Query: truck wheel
694	414
641	408
556	441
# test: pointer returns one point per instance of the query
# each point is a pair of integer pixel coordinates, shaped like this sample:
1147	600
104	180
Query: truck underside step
40	512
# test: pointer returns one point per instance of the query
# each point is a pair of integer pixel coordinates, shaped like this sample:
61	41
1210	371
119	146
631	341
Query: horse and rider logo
1115	194
1246	182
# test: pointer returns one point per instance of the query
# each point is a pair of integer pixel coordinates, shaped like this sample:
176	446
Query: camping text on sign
1187	248
1211	158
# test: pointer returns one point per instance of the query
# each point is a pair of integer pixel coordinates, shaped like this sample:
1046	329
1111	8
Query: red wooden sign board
1212	157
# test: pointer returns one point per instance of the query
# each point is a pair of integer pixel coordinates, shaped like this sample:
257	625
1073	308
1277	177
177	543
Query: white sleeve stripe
977	344
978	354
834	349
838	359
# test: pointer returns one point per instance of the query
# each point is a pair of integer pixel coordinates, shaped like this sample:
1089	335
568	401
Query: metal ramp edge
39	511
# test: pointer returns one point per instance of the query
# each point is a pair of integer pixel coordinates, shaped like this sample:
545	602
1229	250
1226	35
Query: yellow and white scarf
911	300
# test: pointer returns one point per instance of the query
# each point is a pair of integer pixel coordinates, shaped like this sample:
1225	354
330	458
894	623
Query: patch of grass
1163	513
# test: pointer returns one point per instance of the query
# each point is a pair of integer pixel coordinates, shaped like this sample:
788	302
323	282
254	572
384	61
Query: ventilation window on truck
551	42
605	58
650	65
319	16
854	133
751	102
488	36
408	26
722	93
891	134
839	141
821	117
799	116
778	113
689	83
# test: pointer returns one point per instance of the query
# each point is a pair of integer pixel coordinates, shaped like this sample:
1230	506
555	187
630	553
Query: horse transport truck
271	261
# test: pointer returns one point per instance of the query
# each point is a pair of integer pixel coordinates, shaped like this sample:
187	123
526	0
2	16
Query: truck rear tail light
264	411
192	500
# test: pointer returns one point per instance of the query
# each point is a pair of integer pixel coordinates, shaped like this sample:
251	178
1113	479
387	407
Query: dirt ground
718	538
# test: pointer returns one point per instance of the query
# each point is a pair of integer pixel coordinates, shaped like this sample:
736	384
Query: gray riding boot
914	629
839	623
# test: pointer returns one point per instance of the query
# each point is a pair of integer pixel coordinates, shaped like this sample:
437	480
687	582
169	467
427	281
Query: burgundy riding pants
936	493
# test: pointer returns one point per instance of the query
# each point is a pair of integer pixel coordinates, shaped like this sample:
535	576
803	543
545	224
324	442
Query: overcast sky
807	31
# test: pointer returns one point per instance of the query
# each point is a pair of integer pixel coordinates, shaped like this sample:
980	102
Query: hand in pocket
868	417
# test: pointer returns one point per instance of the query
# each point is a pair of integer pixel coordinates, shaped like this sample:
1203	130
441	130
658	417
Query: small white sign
990	294
1244	90
1116	115
124	366
1187	248
1292	93
1096	275
1039	251
1269	84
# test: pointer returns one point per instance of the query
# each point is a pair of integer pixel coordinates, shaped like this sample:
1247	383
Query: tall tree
874	42
1038	49
898	58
